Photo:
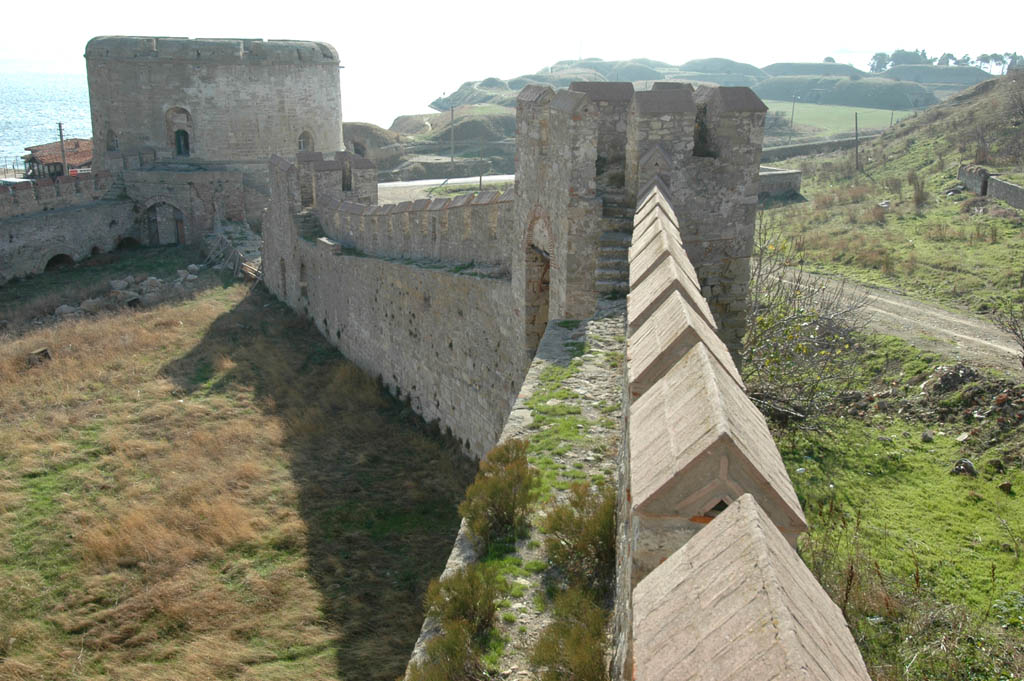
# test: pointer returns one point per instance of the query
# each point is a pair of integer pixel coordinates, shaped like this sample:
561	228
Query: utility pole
452	137
856	141
63	155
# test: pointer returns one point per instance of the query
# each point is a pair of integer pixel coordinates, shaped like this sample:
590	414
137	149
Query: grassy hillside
901	221
827	120
207	490
878	93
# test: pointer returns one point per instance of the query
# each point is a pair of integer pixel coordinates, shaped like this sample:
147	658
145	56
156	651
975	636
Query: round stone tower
203	101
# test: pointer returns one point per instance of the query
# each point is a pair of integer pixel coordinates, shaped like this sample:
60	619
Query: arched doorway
538	284
163	225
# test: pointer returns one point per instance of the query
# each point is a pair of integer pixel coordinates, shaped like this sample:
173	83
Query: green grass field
825	119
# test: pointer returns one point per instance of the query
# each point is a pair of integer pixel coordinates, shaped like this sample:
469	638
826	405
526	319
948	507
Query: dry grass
207	490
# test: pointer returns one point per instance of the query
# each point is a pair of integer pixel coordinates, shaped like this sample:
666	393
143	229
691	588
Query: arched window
181	142
306	141
180	134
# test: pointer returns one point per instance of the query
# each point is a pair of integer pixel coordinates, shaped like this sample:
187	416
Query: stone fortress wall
446	300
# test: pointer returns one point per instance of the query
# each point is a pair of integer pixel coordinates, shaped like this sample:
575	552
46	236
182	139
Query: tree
909	57
946	59
985	60
998	60
830	60
964	60
879	62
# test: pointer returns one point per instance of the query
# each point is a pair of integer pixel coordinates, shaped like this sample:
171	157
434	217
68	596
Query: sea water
31	105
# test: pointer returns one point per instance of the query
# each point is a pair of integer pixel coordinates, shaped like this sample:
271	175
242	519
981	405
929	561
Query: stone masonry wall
27	242
704	147
707	580
557	210
778	182
1013	194
975	178
444	340
47	194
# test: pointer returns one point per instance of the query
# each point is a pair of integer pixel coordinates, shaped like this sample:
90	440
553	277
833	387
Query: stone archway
59	261
162	223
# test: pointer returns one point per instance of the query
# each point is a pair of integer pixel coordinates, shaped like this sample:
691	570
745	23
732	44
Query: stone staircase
308	225
612	272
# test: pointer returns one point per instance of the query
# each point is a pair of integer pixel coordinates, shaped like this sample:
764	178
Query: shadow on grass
377	488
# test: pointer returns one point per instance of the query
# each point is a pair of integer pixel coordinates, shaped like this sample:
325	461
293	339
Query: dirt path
960	336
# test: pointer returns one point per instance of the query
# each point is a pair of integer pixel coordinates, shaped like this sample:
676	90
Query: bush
468	596
917	183
498	502
580	537
571	648
449	657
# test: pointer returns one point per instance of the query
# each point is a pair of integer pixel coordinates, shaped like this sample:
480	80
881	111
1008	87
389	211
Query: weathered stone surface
657	282
738	603
668	334
93	304
696	441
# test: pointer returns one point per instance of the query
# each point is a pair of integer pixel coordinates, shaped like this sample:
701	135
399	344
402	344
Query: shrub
895	185
917	184
580	537
449	657
571	648
875	214
498	502
468	596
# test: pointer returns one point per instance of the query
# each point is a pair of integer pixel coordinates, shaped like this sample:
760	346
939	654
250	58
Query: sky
400	56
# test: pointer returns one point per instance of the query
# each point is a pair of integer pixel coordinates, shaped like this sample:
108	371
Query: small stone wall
47	194
707	515
27	242
772	154
778	182
1013	194
975	178
469	228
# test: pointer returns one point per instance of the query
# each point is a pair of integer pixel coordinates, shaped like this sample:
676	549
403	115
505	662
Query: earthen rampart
46	194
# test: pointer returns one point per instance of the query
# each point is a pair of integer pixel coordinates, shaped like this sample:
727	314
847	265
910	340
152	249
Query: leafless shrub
799	349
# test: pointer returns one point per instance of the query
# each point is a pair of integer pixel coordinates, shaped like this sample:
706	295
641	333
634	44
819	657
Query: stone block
737	603
697	443
669	333
653	280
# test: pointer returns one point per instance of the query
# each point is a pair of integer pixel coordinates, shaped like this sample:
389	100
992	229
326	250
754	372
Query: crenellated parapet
47	194
708	580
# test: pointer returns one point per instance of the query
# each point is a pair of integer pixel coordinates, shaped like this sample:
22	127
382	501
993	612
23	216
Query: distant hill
878	93
924	73
900	87
813	69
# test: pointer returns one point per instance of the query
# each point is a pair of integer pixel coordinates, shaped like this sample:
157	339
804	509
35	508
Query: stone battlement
46	194
708	517
207	50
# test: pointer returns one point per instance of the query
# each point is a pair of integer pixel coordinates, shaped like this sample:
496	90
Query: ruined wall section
444	340
557	209
46	194
238	100
29	241
204	197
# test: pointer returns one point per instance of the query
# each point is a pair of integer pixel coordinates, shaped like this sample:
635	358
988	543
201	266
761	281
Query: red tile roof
79	152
